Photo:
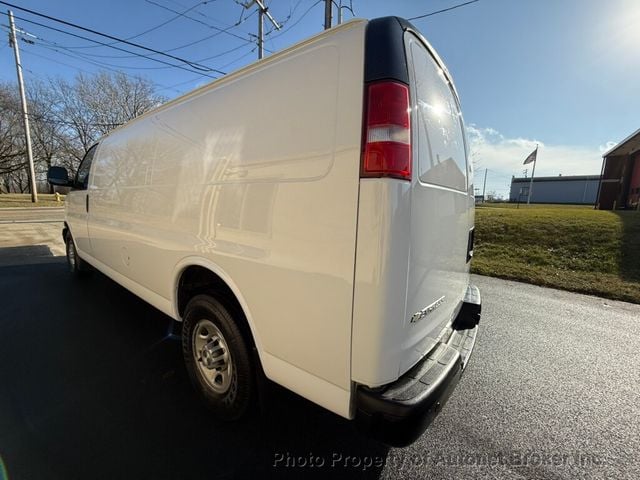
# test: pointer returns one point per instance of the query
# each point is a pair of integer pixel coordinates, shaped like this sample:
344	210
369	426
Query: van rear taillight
387	136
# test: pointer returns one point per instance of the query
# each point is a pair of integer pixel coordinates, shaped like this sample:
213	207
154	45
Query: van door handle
87	203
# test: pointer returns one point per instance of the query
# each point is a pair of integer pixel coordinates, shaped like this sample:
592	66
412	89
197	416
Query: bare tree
48	135
116	99
67	118
12	146
92	106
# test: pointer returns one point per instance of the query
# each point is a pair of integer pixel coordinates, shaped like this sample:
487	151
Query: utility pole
262	12
339	12
23	98
484	185
328	4
260	33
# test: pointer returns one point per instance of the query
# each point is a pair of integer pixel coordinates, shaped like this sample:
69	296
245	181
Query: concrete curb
3	222
32	209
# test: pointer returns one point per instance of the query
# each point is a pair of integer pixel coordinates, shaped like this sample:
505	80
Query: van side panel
258	176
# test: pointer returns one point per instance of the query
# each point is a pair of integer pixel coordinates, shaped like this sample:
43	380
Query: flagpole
533	172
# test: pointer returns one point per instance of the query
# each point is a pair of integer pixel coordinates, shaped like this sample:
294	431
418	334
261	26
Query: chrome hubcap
212	356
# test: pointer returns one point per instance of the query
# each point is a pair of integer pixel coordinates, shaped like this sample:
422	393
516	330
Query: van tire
77	266
210	335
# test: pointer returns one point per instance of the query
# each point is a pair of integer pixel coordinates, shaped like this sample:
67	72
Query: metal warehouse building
577	189
620	184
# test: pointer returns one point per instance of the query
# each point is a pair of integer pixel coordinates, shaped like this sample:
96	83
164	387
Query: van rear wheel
217	357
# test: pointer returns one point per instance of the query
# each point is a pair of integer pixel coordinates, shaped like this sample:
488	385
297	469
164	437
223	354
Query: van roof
382	33
231	76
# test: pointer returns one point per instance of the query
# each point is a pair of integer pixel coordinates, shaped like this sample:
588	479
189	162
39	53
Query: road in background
92	386
31	214
30	235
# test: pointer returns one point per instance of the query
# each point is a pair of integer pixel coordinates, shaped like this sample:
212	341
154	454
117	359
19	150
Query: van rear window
438	133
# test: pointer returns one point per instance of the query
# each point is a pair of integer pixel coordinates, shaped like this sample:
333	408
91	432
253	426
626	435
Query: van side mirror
58	176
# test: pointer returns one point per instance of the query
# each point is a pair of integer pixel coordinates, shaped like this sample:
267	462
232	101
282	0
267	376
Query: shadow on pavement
92	386
26	254
630	249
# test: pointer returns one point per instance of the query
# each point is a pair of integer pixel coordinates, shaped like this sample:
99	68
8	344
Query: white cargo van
309	216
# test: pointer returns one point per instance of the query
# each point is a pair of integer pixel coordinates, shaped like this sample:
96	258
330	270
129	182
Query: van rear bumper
398	413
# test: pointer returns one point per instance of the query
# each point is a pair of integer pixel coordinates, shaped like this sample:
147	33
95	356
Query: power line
91	55
69	48
296	22
180	47
242	12
177	16
86	58
292	11
284	22
54	46
172	87
204	39
75	67
111	37
48	119
181	67
219	30
340	7
149	30
240	58
443	10
226	52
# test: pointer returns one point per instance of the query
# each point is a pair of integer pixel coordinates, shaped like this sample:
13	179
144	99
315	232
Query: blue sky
561	73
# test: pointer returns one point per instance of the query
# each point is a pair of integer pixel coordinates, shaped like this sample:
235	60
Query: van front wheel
216	357
76	265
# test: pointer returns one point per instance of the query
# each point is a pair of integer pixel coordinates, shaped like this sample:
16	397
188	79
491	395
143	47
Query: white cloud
504	156
606	147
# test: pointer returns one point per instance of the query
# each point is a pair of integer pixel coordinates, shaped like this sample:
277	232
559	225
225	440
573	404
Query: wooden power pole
327	14
23	99
263	11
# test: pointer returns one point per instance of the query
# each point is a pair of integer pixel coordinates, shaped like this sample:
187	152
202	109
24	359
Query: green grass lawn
570	247
8	200
522	206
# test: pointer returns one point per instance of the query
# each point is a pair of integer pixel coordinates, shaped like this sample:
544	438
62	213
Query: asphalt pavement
92	386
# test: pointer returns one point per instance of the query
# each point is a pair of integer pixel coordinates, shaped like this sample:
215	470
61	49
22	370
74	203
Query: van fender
191	261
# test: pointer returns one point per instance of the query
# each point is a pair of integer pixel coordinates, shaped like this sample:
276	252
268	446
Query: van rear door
415	210
441	201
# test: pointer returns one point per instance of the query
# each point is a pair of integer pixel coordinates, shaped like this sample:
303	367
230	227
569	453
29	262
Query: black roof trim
385	57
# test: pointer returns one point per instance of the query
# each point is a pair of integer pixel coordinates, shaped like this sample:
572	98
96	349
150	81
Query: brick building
620	178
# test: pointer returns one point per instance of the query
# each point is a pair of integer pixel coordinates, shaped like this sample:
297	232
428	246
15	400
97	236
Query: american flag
532	157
